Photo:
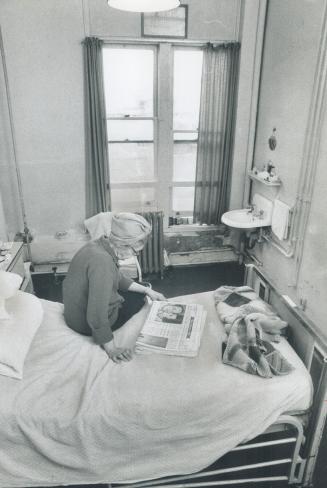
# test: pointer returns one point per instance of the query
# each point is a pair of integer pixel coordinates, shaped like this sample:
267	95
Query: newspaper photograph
172	328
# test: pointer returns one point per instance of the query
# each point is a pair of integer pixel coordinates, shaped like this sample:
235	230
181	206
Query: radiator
152	256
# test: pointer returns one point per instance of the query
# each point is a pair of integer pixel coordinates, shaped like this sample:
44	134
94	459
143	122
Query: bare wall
42	40
44	60
290	56
313	272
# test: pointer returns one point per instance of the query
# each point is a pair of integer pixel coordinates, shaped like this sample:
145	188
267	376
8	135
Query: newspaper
172	328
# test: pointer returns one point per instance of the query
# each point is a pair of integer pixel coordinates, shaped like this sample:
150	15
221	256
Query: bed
78	418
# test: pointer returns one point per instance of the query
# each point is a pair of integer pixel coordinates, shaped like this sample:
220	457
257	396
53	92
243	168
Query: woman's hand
117	354
155	295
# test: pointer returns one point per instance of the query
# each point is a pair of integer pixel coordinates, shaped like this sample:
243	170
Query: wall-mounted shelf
264	182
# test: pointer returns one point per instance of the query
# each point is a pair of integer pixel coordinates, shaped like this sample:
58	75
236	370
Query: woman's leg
132	304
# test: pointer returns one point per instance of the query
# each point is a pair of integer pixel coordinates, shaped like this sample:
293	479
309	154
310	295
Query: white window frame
147	183
163	124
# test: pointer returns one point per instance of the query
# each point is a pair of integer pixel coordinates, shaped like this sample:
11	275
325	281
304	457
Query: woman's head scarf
129	229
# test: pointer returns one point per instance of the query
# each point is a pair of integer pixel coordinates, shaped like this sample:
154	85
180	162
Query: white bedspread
77	417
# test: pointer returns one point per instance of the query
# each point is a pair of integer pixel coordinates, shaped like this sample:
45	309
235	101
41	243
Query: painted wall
44	63
42	41
290	57
313	272
207	19
3	224
8	180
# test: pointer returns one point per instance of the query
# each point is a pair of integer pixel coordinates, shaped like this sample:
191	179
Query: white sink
243	219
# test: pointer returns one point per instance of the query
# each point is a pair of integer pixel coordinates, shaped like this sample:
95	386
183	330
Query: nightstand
15	264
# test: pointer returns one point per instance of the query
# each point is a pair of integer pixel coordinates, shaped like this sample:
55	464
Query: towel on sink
280	219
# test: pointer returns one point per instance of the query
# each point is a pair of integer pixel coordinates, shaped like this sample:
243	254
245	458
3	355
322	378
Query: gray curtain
97	165
216	132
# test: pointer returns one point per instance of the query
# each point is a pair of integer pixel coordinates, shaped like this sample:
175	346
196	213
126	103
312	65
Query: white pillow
17	332
9	285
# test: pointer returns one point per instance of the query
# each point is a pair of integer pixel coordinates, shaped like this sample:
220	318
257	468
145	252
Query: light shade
144	5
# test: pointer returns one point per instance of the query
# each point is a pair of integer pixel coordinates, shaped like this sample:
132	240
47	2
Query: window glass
133	200
187	88
183	199
131	162
130	130
184	161
185	136
139	151
128	81
186	108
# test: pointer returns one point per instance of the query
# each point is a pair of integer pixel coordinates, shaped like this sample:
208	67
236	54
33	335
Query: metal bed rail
295	461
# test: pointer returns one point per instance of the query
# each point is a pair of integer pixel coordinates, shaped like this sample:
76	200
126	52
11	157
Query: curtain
216	132
97	164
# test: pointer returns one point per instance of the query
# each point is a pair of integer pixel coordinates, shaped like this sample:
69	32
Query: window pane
133	199
183	199
185	136
184	161
187	88
131	162
128	81
130	130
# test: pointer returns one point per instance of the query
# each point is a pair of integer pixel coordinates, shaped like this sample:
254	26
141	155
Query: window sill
173	229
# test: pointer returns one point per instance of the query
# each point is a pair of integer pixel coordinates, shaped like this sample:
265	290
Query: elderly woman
92	304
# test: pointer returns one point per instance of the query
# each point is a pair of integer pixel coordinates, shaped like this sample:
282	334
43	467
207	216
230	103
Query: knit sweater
90	291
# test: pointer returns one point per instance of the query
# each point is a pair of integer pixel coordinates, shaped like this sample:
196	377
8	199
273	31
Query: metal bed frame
305	437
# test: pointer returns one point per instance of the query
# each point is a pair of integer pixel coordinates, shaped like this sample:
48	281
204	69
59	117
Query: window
129	92
186	102
152	104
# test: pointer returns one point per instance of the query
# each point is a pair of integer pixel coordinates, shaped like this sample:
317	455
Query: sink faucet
251	208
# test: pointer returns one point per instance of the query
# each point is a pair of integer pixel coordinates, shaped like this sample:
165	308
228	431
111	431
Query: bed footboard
292	465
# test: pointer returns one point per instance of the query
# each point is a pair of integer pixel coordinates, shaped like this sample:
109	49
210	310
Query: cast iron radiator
152	256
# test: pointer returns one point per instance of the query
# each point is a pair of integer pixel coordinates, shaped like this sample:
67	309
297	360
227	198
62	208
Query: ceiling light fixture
144	5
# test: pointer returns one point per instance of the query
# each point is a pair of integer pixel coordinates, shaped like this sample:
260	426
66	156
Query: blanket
246	350
233	302
248	323
77	418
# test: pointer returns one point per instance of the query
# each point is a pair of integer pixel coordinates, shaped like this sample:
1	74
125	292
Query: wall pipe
287	254
12	131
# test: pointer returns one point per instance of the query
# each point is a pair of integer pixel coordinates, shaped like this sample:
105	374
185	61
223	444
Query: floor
182	281
177	281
